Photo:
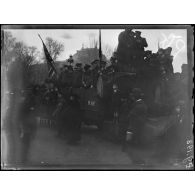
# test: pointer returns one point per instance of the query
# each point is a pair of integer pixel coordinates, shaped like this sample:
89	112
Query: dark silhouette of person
116	103
28	124
73	119
87	80
137	115
50	99
68	118
59	114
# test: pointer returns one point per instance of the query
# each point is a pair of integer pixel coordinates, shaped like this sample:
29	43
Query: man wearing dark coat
68	115
116	103
60	113
50	99
73	119
87	80
137	115
28	124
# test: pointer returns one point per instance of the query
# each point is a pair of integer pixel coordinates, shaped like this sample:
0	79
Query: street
93	152
49	150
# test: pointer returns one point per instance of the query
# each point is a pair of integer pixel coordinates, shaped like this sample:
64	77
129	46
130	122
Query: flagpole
100	47
40	38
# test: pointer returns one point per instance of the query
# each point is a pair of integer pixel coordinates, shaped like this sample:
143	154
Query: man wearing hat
73	119
78	66
137	115
87	76
116	102
140	40
68	118
50	98
77	75
62	76
60	114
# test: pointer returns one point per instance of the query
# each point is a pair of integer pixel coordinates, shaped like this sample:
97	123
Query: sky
73	40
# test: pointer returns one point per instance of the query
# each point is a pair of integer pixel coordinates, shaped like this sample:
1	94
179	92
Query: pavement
95	152
49	150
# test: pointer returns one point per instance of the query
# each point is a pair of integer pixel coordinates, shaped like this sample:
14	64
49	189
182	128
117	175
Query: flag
51	68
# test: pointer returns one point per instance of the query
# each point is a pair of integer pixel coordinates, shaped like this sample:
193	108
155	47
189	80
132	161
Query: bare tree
107	50
55	48
92	41
8	42
13	50
27	55
32	55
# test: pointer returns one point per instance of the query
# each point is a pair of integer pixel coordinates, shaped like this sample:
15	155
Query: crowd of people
82	75
56	100
49	101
